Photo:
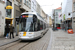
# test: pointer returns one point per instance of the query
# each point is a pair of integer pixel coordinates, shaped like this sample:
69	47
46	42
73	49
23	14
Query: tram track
24	45
17	44
13	46
9	43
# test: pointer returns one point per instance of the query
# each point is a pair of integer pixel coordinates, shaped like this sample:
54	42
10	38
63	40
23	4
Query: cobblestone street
52	40
61	40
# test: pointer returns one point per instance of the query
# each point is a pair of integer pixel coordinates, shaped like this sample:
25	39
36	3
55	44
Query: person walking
7	29
11	31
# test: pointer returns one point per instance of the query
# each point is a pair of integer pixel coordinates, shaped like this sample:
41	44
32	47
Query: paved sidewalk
4	41
61	40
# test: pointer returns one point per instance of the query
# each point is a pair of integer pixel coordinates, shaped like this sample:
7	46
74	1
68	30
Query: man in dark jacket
11	31
7	29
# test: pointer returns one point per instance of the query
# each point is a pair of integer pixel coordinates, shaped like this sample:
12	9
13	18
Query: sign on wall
64	17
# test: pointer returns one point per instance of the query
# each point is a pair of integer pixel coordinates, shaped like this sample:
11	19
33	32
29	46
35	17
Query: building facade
38	8
33	5
2	17
73	16
10	16
50	21
57	17
43	14
67	14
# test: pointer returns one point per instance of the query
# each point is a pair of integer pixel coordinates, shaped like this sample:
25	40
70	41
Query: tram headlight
30	33
19	33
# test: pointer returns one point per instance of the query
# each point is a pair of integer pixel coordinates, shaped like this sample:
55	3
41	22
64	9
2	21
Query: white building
47	19
38	8
57	17
68	13
33	5
2	17
66	9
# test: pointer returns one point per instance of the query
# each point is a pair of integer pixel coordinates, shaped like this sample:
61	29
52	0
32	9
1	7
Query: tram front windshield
26	23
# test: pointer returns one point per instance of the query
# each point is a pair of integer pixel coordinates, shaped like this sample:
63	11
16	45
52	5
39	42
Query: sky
48	5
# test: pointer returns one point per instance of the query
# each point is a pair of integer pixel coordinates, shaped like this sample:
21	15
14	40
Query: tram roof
35	14
29	13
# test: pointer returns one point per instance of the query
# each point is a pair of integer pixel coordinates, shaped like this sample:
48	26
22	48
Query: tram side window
38	25
41	25
35	26
44	25
34	18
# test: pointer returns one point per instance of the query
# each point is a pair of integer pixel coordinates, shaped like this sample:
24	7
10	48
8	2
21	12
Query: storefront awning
9	18
9	7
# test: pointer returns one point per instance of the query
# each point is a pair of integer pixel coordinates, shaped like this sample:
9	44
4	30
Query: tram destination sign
23	16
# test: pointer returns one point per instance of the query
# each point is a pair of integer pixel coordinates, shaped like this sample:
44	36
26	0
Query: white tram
31	26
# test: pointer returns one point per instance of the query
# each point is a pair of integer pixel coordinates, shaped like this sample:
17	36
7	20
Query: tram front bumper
27	38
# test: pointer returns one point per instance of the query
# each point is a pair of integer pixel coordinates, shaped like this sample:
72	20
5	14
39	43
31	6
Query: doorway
8	21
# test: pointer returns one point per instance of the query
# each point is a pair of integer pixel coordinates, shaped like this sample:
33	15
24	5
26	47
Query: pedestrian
7	29
11	31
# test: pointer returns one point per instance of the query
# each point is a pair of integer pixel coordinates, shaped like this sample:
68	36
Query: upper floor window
20	0
35	7
8	11
32	4
29	4
74	6
8	3
25	1
56	13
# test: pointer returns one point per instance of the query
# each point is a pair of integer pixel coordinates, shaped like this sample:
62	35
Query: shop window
8	11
